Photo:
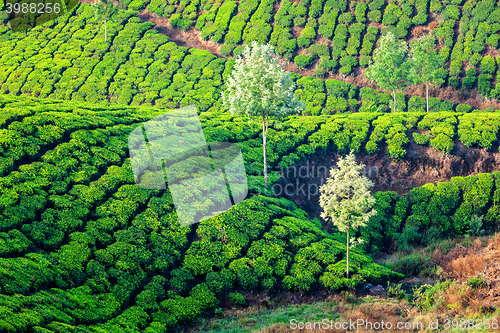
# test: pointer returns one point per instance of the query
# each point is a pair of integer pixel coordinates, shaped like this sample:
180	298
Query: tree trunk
264	135
347	251
105	32
427	86
394	94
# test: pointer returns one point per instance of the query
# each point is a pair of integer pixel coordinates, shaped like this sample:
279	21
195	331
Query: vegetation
259	88
104	9
83	248
346	200
391	66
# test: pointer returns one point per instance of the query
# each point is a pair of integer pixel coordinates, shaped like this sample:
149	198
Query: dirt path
190	38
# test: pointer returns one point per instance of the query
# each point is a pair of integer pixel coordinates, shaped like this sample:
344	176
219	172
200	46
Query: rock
368	286
377	290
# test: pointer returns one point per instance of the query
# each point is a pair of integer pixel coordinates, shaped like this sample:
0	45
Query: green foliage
477	282
488	65
463	108
420	138
441	127
303	60
475	224
238	299
478	130
392	129
390	68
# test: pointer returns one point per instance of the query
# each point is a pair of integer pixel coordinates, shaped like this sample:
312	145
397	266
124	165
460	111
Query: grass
257	317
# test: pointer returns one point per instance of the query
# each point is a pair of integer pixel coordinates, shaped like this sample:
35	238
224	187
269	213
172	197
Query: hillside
92	237
83	246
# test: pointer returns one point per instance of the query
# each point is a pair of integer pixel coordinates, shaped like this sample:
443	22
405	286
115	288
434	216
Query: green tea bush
478	130
238	299
488	65
463	108
340	88
345	18
392	14
484	84
442	127
303	60
375	16
420	138
360	12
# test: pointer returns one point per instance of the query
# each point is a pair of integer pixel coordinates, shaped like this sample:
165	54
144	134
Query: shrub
308	32
463	108
364	60
492	40
375	16
348	61
360	12
451	12
303	61
477	282
376	4
475	59
484	84
392	14
469	82
227	49
328	65
340	88
417	104
412	264
454	82
303	42
238	299
488	65
421	138
299	21
346	18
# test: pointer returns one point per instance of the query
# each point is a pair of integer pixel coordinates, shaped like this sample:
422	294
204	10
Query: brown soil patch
190	38
421	165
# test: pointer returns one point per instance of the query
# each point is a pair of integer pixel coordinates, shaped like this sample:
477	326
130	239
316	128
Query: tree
346	199
104	9
426	63
391	65
259	88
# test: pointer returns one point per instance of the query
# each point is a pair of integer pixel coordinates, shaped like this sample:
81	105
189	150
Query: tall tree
390	66
426	63
346	199
259	88
104	9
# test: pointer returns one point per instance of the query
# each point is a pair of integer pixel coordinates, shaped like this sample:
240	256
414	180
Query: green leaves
391	65
426	61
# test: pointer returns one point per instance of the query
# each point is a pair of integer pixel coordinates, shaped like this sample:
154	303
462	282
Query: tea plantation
81	245
340	35
68	59
84	249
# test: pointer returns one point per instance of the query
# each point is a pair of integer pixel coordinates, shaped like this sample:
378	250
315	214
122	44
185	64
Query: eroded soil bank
421	165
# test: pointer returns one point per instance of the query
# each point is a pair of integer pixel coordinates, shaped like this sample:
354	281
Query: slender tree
426	63
104	9
346	199
259	88
390	66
